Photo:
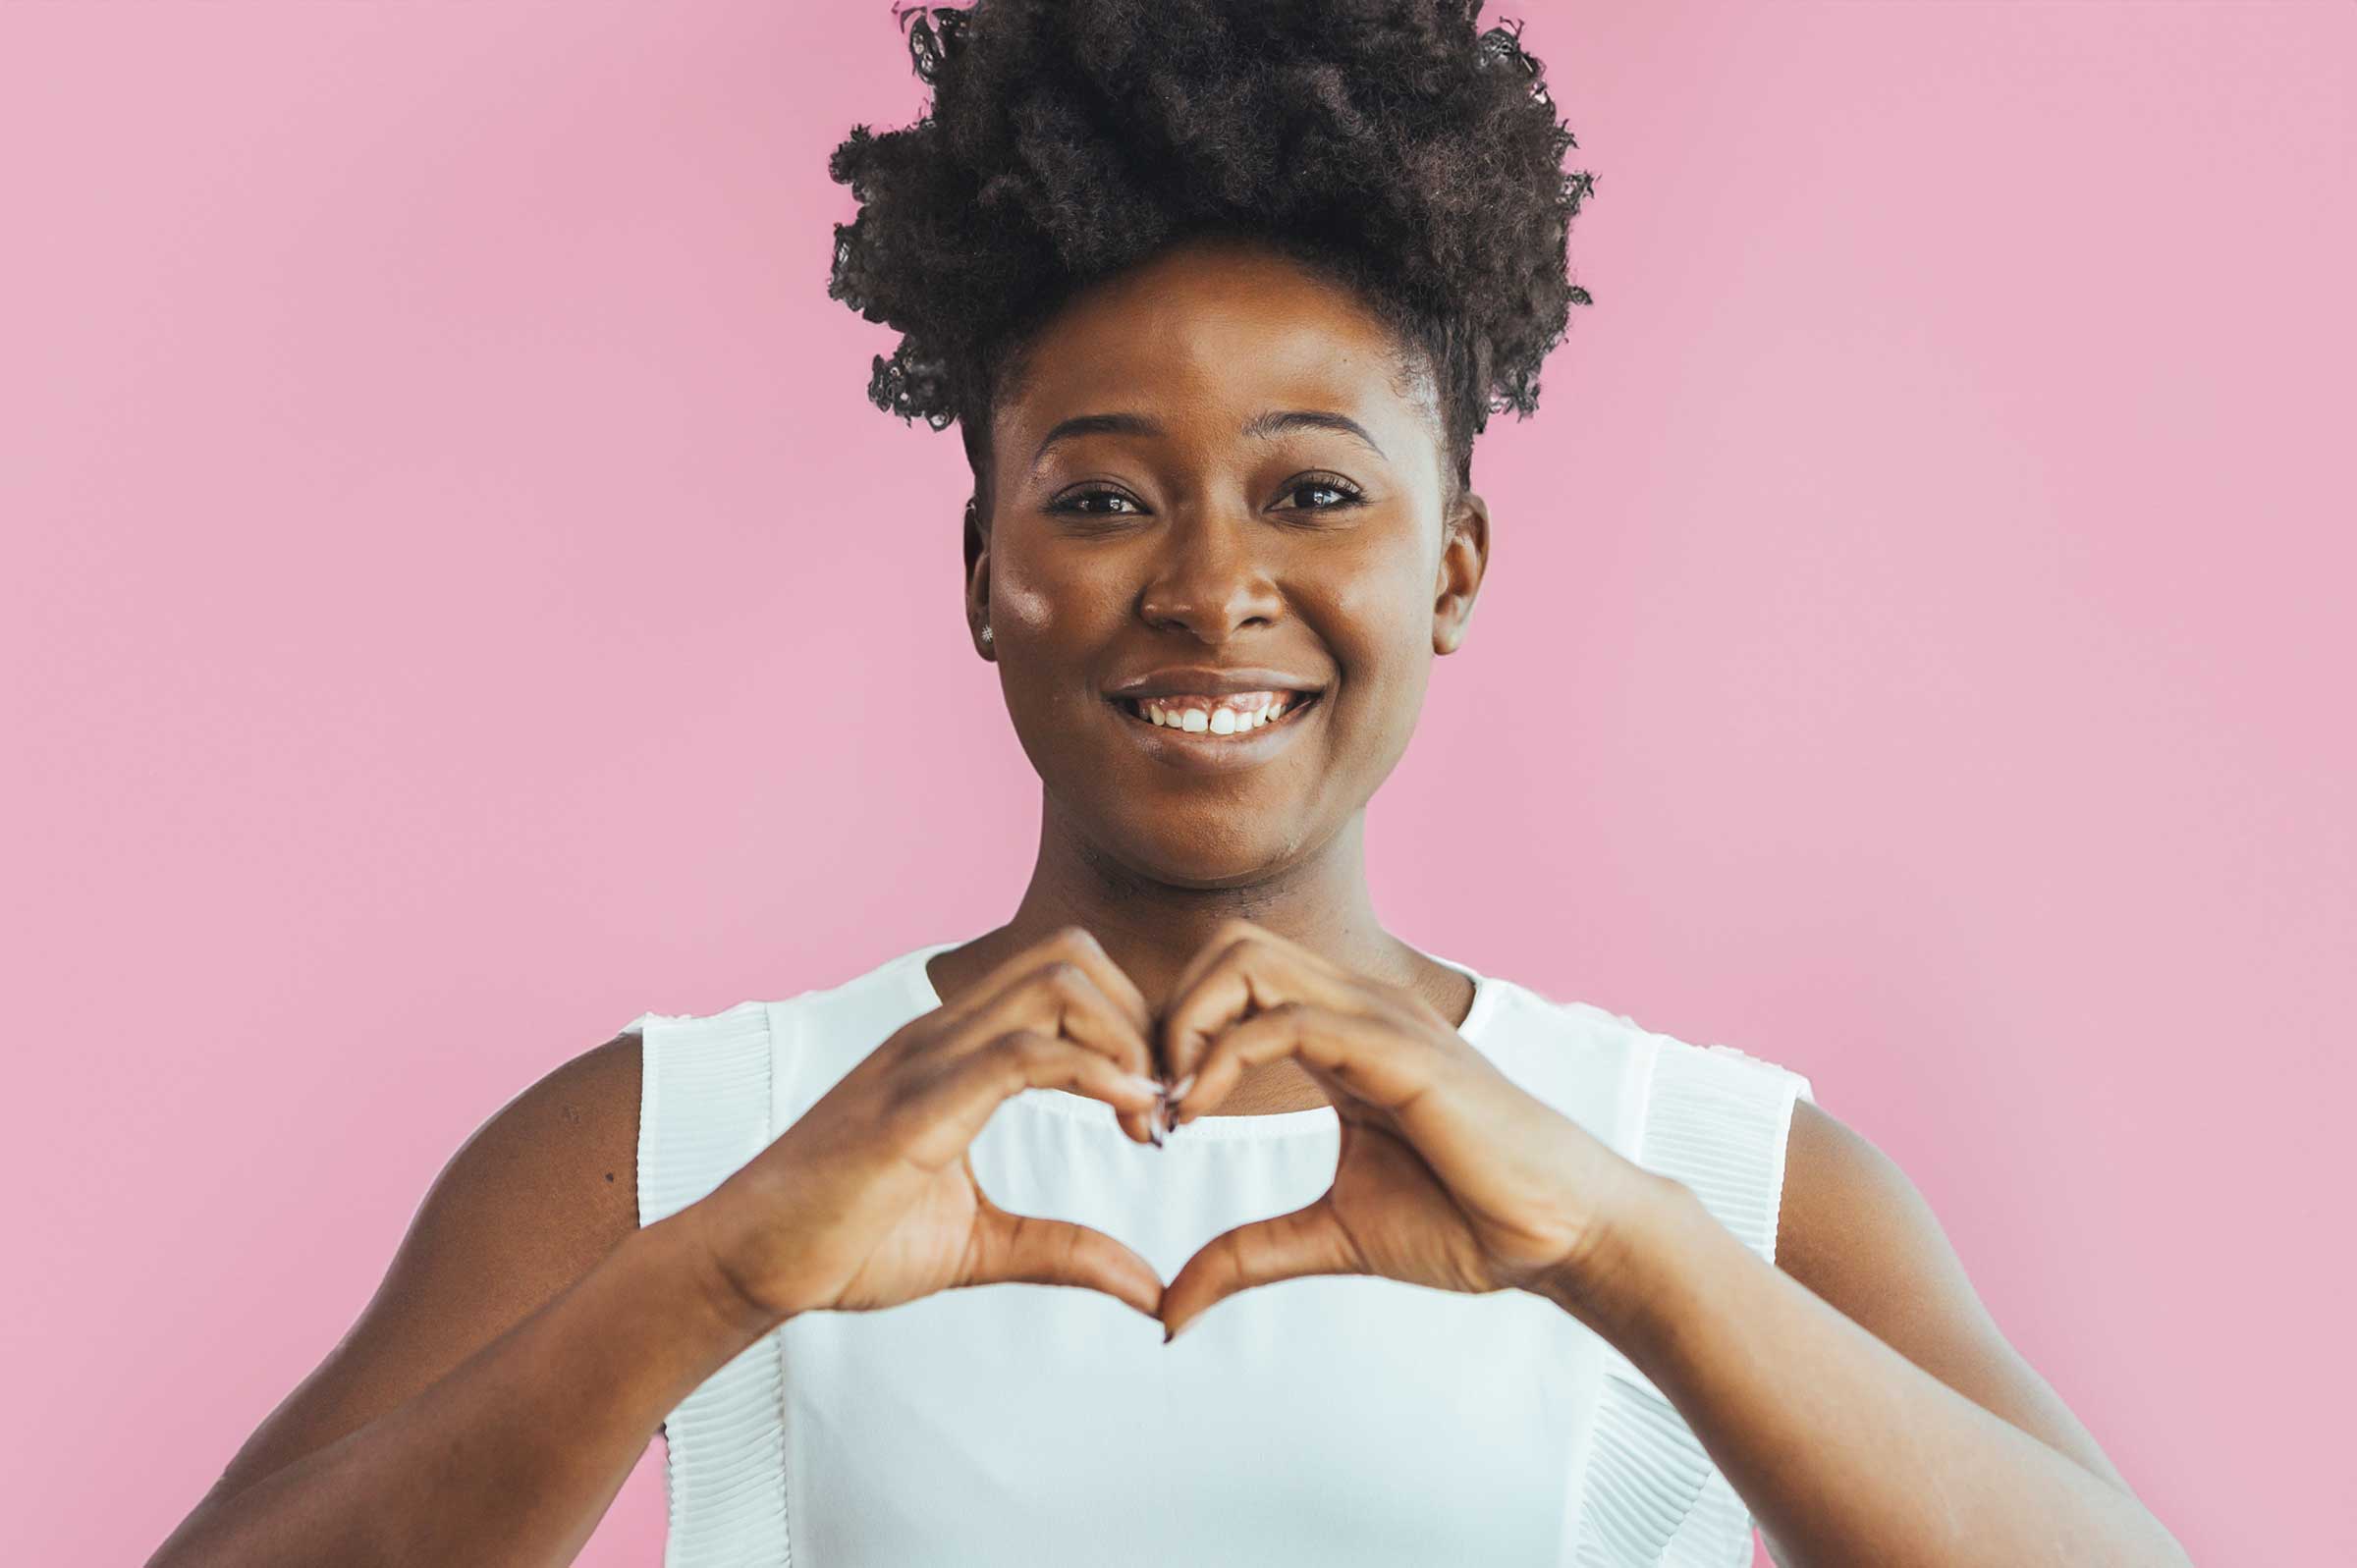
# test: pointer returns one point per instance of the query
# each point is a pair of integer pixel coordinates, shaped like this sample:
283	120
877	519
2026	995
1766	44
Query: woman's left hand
1449	1175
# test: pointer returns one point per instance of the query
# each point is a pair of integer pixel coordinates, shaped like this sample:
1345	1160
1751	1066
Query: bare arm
527	1341
1858	1396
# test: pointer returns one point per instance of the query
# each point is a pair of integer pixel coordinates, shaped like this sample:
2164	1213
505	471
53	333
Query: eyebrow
1260	427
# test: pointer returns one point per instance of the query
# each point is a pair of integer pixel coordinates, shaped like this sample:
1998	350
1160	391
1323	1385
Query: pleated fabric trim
1717	1120
704	1111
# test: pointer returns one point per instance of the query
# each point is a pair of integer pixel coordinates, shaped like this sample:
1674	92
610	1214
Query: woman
1219	296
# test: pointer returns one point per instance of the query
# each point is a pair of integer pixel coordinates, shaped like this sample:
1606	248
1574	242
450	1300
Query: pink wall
459	597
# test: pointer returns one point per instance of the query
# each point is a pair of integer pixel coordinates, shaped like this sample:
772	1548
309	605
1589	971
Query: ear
977	577
1464	556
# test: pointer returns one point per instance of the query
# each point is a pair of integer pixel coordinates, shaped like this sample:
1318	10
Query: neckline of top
918	984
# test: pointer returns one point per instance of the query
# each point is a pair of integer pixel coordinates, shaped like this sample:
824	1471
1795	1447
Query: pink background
458	597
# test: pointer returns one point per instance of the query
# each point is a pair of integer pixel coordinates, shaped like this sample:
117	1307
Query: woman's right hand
869	1198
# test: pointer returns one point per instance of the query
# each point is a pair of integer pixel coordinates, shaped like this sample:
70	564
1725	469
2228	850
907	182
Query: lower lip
1201	751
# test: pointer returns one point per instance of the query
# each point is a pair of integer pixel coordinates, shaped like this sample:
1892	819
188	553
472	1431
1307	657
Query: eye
1070	501
1333	484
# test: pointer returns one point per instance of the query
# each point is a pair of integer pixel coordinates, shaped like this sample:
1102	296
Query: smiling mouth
1193	721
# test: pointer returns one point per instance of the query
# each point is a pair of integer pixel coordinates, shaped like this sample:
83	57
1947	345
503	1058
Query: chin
1178	858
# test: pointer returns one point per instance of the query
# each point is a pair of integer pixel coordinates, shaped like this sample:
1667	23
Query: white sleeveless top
1354	1421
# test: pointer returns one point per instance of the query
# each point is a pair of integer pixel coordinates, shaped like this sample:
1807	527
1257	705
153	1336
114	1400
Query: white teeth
1219	720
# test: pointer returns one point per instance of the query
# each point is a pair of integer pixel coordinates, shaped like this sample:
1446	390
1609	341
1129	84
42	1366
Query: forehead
1217	332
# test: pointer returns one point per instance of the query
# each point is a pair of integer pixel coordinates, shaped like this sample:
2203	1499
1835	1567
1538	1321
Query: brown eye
1346	493
1071	502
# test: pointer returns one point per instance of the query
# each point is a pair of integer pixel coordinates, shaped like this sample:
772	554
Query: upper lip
1206	680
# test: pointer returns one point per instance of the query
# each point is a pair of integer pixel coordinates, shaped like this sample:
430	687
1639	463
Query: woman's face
1192	525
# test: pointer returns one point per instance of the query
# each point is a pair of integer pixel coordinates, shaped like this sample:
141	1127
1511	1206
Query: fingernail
1143	1084
1166	1334
1170	1101
1152	1132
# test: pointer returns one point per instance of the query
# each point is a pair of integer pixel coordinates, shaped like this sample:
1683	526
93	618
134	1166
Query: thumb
1310	1240
1023	1249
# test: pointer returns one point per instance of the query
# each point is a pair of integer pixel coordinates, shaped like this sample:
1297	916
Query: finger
1370	1058
1112	980
1023	1249
1310	1240
948	1108
1075	943
1248	972
1224	935
1063	992
1134	1044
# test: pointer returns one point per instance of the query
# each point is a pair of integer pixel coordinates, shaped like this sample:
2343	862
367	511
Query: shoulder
541	1192
1850	1215
555	1170
1855	1230
1543	1026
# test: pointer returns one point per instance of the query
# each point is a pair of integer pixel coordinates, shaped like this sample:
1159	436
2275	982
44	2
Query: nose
1209	579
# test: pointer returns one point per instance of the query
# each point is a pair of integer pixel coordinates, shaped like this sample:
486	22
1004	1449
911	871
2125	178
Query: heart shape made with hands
1448	1173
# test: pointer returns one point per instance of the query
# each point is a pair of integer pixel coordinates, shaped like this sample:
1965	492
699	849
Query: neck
1153	929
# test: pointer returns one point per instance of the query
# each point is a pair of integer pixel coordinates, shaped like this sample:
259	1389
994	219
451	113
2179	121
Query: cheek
1045	626
1039	601
1381	629
1022	606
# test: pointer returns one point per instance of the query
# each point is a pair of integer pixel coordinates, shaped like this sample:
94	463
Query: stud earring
986	631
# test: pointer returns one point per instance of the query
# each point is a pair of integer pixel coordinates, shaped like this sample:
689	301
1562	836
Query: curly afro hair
1385	144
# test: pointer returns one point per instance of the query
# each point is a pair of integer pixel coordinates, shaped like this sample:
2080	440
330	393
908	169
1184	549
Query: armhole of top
703	1102
703	1112
1718	1121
